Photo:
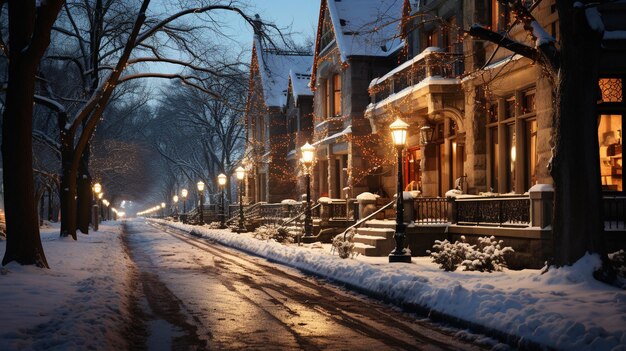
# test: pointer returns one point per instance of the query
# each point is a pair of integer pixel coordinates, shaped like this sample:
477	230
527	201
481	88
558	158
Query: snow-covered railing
511	210
433	62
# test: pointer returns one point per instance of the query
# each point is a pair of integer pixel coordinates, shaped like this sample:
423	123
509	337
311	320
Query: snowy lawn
564	308
80	303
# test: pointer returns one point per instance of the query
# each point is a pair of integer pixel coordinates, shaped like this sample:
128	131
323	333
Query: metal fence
497	211
431	210
614	212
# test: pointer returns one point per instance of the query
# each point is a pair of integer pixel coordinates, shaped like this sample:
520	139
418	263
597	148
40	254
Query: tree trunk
23	241
67	202
85	195
578	226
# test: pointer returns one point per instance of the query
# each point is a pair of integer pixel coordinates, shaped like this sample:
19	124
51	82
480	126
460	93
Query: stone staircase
375	238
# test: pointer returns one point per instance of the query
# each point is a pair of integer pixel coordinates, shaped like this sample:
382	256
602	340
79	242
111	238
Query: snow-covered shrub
344	246
487	256
214	225
449	256
273	232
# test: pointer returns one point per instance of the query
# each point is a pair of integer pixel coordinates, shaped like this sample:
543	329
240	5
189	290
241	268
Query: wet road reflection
235	301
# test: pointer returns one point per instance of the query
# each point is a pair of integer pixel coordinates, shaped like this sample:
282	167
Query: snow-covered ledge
541	198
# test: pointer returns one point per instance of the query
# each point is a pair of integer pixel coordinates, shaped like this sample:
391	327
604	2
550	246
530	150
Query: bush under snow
344	246
273	232
487	256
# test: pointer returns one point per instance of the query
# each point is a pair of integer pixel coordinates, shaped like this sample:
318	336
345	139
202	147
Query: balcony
433	66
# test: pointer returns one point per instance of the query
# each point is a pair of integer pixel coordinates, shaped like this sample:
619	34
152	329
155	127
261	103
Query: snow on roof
274	67
366	27
300	79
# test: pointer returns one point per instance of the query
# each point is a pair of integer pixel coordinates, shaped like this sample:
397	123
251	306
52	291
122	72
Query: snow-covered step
382	232
379	223
365	250
372	240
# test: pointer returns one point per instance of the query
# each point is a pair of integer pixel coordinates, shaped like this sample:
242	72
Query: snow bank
78	304
563	309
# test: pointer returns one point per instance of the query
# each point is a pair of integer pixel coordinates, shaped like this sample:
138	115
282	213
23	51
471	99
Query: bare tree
110	46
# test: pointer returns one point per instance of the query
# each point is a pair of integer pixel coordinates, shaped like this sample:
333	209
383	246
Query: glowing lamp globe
241	173
308	153
183	193
398	132
200	186
97	188
221	179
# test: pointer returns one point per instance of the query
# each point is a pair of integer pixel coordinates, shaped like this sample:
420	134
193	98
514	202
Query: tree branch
483	33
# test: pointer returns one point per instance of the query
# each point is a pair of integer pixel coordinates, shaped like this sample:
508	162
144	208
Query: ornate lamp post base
404	257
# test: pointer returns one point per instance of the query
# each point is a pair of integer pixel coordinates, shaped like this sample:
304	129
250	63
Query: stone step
365	250
381	232
373	240
377	223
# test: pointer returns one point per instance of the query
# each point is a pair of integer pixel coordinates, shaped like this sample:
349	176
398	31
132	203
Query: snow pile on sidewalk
78	304
563	309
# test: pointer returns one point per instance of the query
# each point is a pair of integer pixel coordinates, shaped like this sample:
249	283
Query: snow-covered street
236	301
133	284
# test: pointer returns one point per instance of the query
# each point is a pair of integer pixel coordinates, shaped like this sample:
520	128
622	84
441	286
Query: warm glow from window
337	95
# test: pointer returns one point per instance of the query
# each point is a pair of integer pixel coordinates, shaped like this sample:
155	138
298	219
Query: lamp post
97	188
183	193
241	175
221	180
201	191
163	209
398	133
100	207
175	199
308	154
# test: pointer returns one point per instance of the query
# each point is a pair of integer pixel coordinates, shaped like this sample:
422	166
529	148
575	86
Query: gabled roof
274	68
366	27
300	81
362	27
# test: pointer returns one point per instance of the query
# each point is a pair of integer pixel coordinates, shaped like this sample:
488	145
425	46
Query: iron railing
431	210
495	211
614	212
428	64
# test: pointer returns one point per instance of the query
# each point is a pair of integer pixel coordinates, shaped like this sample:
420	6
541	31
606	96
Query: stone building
272	117
426	92
356	41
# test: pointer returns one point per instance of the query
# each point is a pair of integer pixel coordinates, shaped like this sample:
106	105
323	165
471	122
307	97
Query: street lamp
398	133
163	209
221	180
241	174
175	199
97	188
183	193
308	155
100	207
201	191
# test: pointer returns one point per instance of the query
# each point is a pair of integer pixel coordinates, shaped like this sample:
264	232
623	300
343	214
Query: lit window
336	95
611	90
610	145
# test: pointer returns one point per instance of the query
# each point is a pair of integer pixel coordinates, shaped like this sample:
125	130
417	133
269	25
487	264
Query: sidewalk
563	309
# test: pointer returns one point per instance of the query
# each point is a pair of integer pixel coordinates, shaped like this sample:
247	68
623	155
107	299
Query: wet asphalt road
193	294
